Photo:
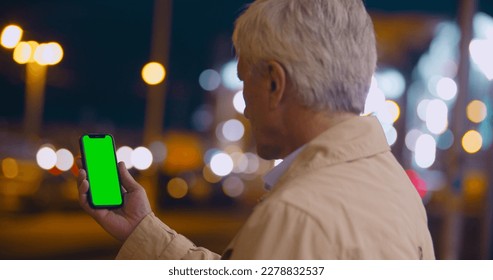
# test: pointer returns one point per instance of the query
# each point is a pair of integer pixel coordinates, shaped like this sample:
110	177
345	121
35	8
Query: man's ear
277	77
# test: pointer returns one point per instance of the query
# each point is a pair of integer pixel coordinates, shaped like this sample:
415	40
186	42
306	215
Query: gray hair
327	48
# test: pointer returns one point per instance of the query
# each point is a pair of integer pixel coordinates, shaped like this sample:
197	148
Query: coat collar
352	139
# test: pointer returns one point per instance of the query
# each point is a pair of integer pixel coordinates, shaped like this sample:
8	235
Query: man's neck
305	124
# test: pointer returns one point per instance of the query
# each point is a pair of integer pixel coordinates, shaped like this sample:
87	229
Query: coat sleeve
281	231
152	239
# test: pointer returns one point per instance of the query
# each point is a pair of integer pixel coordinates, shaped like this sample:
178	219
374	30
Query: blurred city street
74	235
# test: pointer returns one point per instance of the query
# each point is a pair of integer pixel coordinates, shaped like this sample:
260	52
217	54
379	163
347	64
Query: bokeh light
64	159
209	79
391	135
39	55
422	109
48	54
476	111
209	154
394	109
124	154
158	150
375	100
141	158
481	55
376	104
475	186
177	188
24	51
209	176
252	163
240	162
391	82
46	158
221	164
411	138
472	141
483	26
153	73
432	84
184	152
425	151
233	186
233	148
436	116
239	102
229	76
233	130
10	168
11	36
446	88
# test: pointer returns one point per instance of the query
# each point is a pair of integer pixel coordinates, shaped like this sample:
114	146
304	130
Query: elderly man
306	66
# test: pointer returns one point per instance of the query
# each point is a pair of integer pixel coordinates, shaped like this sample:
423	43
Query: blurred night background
79	68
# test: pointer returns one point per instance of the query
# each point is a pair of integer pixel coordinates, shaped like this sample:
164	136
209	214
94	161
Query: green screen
102	170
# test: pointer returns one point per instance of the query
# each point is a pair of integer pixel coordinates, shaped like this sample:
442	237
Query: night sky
106	43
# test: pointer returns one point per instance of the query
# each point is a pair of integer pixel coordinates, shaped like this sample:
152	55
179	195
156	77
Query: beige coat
344	197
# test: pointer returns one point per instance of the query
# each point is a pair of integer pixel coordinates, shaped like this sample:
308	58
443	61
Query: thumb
128	182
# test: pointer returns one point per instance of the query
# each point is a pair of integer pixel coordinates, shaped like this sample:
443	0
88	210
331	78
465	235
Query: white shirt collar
271	178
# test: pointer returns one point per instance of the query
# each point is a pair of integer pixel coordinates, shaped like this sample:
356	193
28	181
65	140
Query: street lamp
43	54
36	57
154	114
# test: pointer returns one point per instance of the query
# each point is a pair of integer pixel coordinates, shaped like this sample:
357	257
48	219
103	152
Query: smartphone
99	161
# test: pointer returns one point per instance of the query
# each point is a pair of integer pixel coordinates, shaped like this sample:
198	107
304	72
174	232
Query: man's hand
120	222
